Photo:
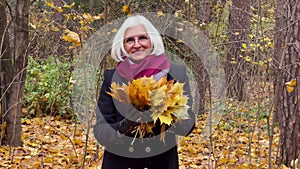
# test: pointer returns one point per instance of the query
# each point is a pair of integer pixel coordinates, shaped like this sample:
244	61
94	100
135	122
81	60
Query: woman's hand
133	117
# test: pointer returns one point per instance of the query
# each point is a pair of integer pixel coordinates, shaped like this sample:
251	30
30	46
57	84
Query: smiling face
137	43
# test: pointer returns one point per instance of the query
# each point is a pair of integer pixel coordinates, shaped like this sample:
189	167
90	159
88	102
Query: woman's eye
129	40
143	38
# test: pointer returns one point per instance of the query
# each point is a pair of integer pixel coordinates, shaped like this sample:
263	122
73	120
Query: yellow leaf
77	141
290	86
71	36
247	58
100	16
160	13
88	17
244	46
69	6
50	4
119	92
236	33
261	63
24	110
284	166
126	10
84	28
114	30
292	83
48	160
158	96
166	119
250	36
32	25
54	28
59	9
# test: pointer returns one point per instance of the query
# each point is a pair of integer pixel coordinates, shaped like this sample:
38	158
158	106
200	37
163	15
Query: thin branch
9	8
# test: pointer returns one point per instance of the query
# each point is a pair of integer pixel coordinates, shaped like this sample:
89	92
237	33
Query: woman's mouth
138	52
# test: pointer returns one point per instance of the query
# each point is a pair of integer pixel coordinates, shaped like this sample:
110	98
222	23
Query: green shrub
48	88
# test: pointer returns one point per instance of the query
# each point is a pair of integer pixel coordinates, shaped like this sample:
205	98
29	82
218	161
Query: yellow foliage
290	86
160	13
59	9
114	30
100	16
165	99
51	5
69	6
72	37
126	10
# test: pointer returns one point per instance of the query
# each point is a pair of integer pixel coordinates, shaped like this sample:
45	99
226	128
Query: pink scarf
151	65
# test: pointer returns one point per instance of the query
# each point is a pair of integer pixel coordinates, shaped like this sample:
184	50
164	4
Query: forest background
257	43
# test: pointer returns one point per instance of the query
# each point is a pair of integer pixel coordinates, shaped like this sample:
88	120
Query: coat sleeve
105	128
184	127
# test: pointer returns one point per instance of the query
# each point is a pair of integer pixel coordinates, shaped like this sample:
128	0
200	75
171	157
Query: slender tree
286	60
239	25
204	16
14	68
5	54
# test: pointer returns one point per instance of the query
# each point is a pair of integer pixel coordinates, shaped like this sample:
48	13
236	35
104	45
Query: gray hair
155	37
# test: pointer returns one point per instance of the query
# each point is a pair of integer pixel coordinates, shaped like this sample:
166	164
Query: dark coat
150	153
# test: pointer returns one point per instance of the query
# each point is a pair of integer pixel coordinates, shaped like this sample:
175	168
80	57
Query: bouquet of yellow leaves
165	98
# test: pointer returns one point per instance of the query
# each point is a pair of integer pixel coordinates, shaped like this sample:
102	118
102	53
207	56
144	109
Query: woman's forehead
135	31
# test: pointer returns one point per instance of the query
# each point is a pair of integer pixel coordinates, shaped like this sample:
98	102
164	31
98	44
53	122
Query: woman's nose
136	43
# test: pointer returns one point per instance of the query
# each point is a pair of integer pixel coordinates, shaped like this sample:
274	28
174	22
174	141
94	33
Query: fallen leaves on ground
229	147
54	143
51	143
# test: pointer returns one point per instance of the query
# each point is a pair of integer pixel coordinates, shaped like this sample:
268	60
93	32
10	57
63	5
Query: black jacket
150	153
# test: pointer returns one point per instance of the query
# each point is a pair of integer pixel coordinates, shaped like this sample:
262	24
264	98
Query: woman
139	49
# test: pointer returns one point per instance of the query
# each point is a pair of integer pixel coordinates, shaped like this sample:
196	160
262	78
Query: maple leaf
166	118
119	92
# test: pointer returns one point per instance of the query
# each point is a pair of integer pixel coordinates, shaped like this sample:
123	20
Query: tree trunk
91	6
58	18
5	67
204	16
239	25
287	50
20	58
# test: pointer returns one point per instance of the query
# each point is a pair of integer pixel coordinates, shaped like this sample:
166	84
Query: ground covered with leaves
238	142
